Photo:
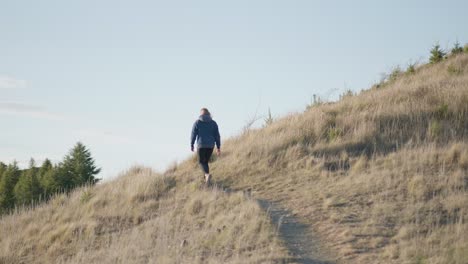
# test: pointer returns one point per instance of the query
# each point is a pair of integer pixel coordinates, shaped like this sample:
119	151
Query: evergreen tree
45	167
3	167
437	54
48	178
457	49
78	168
28	188
9	180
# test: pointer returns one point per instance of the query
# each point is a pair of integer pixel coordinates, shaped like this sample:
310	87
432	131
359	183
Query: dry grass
141	217
381	177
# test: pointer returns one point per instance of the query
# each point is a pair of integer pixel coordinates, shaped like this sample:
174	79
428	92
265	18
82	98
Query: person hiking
206	132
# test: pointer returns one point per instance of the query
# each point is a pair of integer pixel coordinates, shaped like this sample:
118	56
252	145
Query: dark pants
204	155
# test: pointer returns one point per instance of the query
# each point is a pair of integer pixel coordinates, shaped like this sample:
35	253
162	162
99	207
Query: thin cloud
8	82
28	110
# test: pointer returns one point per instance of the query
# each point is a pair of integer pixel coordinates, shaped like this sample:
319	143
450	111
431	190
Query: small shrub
347	93
396	72
411	68
437	54
442	111
382	82
465	49
454	70
316	101
377	85
457	49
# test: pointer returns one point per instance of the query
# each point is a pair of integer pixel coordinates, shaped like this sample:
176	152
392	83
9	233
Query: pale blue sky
128	77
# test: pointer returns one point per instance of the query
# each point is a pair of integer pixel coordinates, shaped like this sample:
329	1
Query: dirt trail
297	237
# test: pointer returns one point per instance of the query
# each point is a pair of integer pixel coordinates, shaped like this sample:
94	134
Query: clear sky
127	78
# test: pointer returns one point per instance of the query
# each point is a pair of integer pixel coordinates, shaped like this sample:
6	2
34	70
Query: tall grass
141	217
381	176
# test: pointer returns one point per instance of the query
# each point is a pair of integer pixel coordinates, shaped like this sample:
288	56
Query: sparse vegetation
316	101
437	54
380	177
396	72
453	69
347	93
141	217
269	119
411	68
457	49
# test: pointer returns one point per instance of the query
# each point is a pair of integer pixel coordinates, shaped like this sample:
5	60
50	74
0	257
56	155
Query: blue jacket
205	131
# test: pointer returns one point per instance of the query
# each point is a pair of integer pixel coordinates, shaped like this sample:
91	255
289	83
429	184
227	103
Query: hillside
141	217
379	177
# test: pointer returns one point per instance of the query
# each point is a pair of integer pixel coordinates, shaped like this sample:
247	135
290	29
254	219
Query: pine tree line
34	184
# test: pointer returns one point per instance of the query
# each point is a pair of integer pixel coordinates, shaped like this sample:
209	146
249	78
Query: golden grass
381	177
141	217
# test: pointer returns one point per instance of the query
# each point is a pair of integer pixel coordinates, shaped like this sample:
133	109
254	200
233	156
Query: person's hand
218	152
192	148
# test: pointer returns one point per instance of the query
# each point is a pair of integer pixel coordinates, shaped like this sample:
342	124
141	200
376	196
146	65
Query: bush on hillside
411	68
454	70
316	101
457	49
347	93
396	72
437	54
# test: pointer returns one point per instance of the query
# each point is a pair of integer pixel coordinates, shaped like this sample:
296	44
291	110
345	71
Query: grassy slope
141	217
381	177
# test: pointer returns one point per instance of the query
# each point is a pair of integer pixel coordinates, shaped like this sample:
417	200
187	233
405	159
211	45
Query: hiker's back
207	130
